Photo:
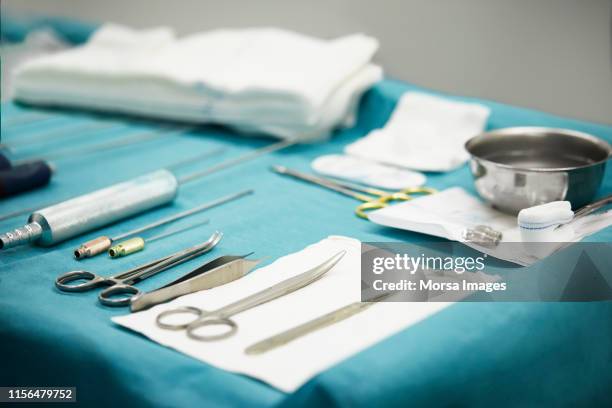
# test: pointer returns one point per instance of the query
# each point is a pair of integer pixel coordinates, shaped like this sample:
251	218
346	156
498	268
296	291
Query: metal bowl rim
536	129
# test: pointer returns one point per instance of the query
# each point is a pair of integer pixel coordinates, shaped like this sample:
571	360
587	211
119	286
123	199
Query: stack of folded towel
261	80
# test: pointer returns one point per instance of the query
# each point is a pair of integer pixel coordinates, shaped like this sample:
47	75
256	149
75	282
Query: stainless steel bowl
516	168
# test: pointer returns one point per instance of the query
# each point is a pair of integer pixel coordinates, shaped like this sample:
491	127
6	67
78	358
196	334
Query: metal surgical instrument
137	244
110	145
373	198
121	283
172	166
71	131
34	173
222	317
313	325
103	243
215	273
70	218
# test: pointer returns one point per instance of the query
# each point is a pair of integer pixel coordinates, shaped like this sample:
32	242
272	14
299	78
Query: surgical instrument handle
303	329
310	326
5	164
24	177
72	217
135	274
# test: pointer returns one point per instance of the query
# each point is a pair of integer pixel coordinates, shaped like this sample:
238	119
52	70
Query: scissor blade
209	266
282	288
227	269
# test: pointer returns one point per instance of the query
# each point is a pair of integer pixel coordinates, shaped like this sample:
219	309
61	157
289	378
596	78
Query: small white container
539	225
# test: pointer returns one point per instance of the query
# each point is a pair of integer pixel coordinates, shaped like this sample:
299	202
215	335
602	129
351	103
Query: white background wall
553	55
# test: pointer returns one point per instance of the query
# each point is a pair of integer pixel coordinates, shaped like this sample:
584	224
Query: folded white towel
257	80
424	133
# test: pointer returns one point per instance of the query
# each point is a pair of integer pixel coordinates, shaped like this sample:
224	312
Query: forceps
221	317
373	198
121	283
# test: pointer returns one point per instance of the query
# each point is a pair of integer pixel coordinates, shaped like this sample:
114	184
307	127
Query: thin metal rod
195	158
237	160
183	214
594	206
113	144
329	184
70	131
18	212
172	166
176	231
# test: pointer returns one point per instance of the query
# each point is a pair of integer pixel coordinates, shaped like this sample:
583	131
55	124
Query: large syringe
73	217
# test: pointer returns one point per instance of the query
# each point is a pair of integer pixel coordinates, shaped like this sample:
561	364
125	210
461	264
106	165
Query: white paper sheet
448	213
289	366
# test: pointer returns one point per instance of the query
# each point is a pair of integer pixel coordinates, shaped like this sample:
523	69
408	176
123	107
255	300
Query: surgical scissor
373	199
221	317
121	283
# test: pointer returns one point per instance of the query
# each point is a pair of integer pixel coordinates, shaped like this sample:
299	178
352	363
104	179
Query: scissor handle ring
399	196
418	190
106	296
383	201
179	310
62	281
213	321
362	209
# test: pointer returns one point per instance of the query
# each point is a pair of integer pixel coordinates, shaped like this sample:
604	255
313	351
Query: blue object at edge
479	354
15	27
